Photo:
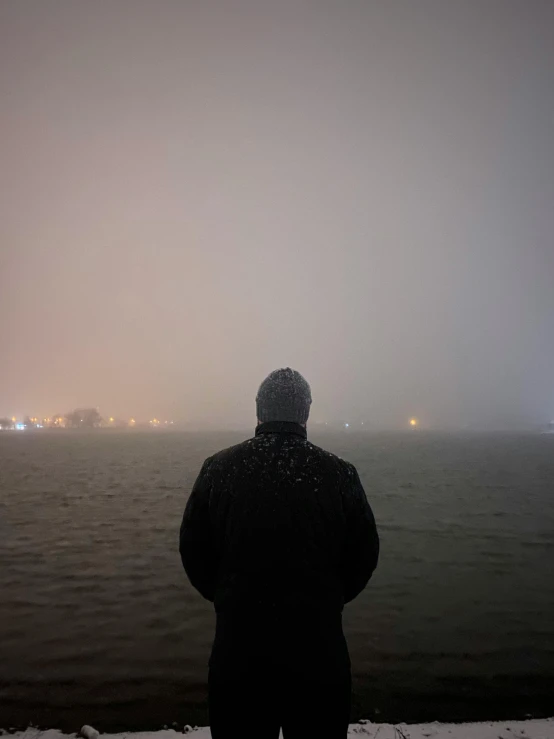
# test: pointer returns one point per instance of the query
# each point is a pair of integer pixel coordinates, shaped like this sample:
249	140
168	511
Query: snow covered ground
536	729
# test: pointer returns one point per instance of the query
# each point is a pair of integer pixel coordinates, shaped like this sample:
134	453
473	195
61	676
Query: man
279	535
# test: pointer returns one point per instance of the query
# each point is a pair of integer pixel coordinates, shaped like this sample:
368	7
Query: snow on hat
284	395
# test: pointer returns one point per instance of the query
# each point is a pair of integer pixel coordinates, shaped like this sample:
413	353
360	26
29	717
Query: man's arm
195	545
361	546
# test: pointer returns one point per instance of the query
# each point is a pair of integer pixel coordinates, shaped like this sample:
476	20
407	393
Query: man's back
287	535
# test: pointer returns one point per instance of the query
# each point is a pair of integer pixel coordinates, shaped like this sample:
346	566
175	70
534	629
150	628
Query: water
99	624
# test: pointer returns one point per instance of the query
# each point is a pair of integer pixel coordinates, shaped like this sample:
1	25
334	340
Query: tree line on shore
78	418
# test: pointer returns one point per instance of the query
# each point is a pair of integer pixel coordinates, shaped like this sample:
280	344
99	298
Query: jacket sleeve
195	545
360	552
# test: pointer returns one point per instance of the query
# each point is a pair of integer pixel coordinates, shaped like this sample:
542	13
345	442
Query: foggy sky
196	193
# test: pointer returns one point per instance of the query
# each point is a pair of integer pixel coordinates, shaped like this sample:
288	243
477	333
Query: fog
196	193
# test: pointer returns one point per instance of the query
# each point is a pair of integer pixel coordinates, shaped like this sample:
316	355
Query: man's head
284	395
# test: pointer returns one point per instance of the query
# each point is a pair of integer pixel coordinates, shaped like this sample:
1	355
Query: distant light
347	425
14	419
20	426
362	423
413	422
111	420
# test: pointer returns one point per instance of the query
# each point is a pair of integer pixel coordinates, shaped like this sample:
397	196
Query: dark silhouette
83	418
6	423
279	535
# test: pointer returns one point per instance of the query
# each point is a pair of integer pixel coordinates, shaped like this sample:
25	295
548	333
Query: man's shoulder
230	453
336	470
326	456
253	446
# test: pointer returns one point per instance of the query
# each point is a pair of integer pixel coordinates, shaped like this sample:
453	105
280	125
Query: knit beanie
284	395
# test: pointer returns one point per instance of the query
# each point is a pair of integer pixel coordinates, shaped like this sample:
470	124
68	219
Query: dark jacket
278	529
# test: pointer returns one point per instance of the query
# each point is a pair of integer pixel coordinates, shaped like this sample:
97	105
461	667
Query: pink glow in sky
196	193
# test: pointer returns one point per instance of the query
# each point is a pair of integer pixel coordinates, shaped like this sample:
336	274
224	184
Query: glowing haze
196	193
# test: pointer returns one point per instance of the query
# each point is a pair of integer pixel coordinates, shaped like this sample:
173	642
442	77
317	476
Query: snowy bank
536	729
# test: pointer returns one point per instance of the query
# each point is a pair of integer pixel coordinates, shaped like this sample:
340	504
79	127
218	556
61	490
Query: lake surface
99	624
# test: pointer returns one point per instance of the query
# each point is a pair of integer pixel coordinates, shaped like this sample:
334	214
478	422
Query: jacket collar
281	427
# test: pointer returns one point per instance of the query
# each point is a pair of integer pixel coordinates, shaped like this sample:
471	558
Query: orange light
413	421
